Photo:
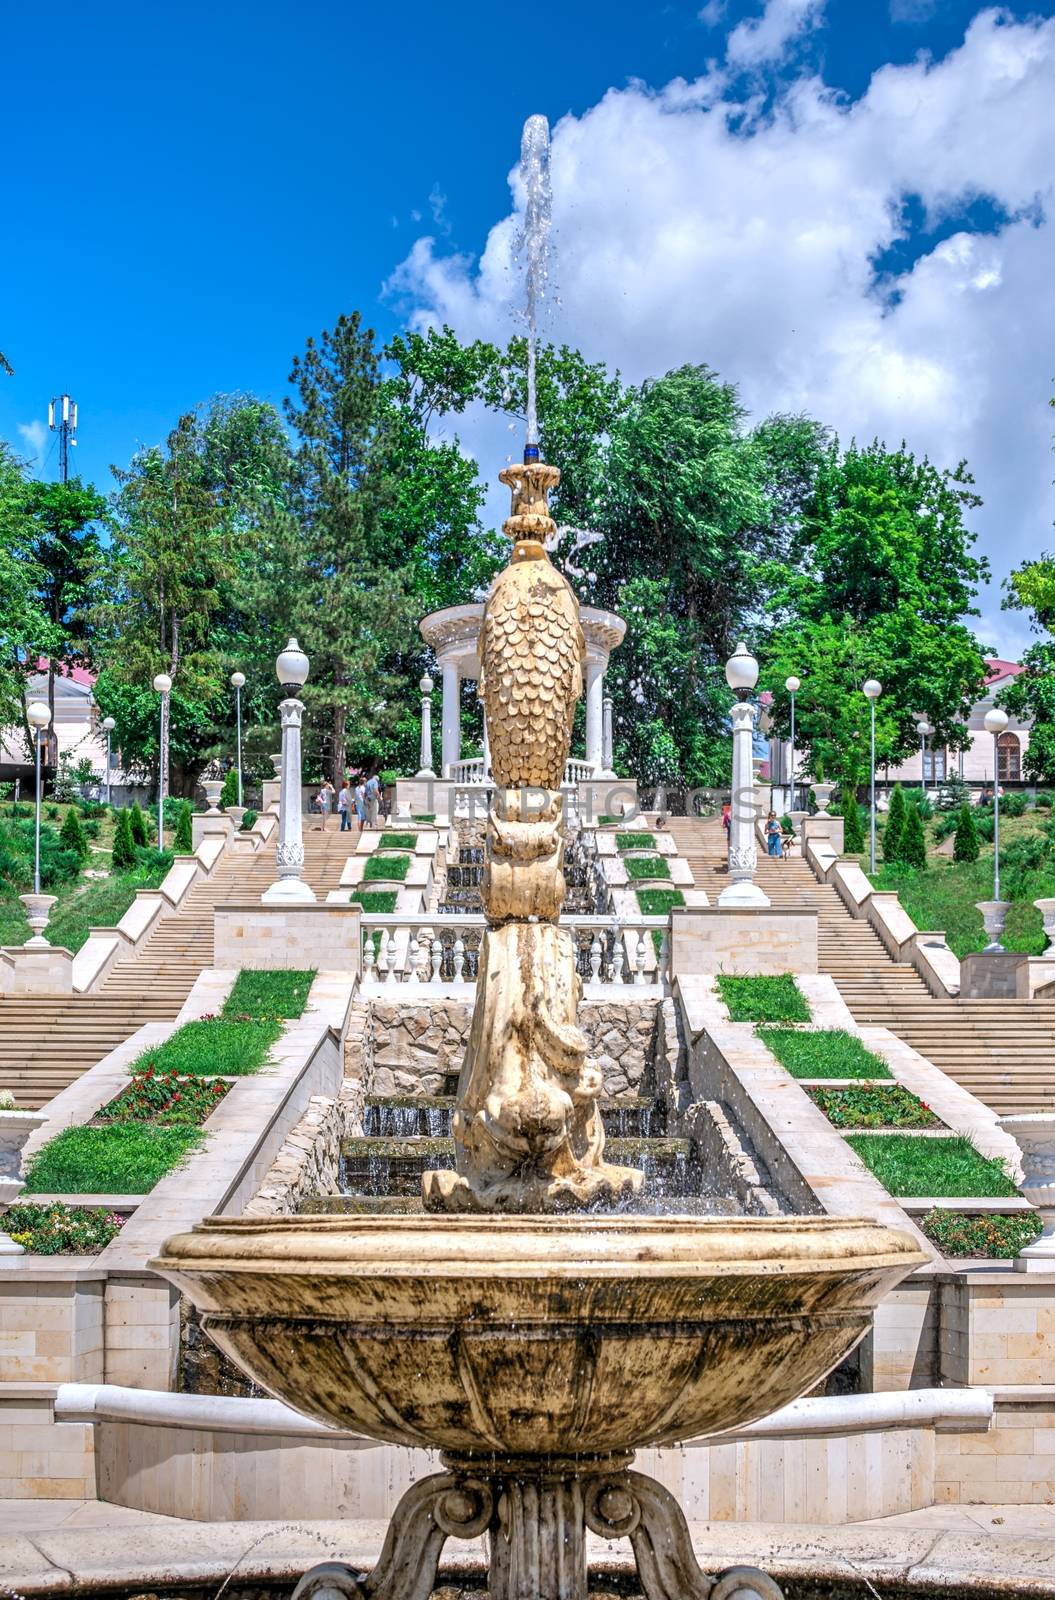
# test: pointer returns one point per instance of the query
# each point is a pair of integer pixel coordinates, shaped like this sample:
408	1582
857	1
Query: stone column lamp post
38	906
872	688
289	887
108	726
425	770
163	686
741	674
994	911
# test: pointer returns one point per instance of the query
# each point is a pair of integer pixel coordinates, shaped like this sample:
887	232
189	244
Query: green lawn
943	898
128	1158
824	1053
212	1049
646	867
386	869
399	841
381	901
777	999
658	902
950	1167
265	995
635	841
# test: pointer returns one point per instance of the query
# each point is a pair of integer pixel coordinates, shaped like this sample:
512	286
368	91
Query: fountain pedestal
537	1515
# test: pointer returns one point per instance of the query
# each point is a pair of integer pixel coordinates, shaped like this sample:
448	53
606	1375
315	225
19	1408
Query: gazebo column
594	713
452	716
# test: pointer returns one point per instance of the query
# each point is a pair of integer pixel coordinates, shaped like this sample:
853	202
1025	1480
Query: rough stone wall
309	1161
414	1049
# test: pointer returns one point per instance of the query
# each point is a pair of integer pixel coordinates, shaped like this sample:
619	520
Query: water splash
533	245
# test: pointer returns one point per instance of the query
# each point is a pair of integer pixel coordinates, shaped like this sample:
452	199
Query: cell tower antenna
62	419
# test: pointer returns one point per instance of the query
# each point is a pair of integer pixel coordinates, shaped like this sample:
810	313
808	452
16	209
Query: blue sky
190	194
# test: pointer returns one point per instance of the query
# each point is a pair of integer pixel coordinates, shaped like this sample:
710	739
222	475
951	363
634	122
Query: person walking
344	805
774	844
325	798
360	804
727	816
373	800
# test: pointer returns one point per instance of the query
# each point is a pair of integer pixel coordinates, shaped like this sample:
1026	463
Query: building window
934	766
1009	758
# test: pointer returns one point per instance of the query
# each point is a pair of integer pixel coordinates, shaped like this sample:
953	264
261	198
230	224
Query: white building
76	732
975	764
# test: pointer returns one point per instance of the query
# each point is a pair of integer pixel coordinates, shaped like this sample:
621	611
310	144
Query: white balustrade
474	771
441	949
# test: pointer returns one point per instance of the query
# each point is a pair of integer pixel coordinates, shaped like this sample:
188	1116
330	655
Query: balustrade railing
445	949
472	771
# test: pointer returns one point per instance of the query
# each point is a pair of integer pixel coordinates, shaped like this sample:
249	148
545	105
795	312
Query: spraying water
533	250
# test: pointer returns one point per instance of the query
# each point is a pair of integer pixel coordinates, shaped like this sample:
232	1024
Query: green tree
66	551
137	824
1031	694
229	792
23	620
895	825
965	846
73	835
124	854
881	574
853	835
183	840
913	846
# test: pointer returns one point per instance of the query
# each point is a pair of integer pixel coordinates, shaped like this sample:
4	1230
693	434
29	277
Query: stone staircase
46	1044
1002	1051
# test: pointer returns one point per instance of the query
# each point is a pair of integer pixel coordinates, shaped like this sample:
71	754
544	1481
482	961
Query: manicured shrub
124	853
229	792
249	820
966	846
382	902
644	868
913	847
59	1230
635	841
399	841
874	1106
895	822
1014	805
138	823
957	1234
183	839
777	999
658	902
72	834
853	837
386	869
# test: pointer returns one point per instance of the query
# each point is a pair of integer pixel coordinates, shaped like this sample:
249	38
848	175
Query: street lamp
38	906
741	674
872	688
792	685
291	669
238	684
925	729
163	685
426	686
994	912
108	726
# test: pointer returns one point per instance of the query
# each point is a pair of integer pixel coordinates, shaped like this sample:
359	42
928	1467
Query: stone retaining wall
413	1049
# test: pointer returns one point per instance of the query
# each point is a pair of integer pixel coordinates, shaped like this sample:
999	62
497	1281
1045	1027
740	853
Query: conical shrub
183	840
124	850
913	848
965	846
138	824
895	825
229	792
73	835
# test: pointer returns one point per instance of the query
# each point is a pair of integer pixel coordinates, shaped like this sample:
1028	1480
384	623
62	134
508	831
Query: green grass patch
948	1167
777	999
423	816
261	996
84	904
872	1107
995	1237
823	1053
129	1158
212	1048
635	841
645	867
386	869
399	841
658	902
58	1230
943	897
380	901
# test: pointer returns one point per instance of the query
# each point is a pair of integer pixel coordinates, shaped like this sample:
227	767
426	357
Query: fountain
537	1328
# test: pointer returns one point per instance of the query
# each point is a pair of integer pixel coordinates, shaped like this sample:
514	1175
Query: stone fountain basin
537	1335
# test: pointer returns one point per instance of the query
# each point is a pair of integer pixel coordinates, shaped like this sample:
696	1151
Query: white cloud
693	226
912	11
759	40
34	436
712	13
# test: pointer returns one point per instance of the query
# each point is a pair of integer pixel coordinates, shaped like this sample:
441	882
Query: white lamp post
38	906
925	729
994	912
163	686
425	754
872	688
292	671
792	685
741	674
108	725
238	684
